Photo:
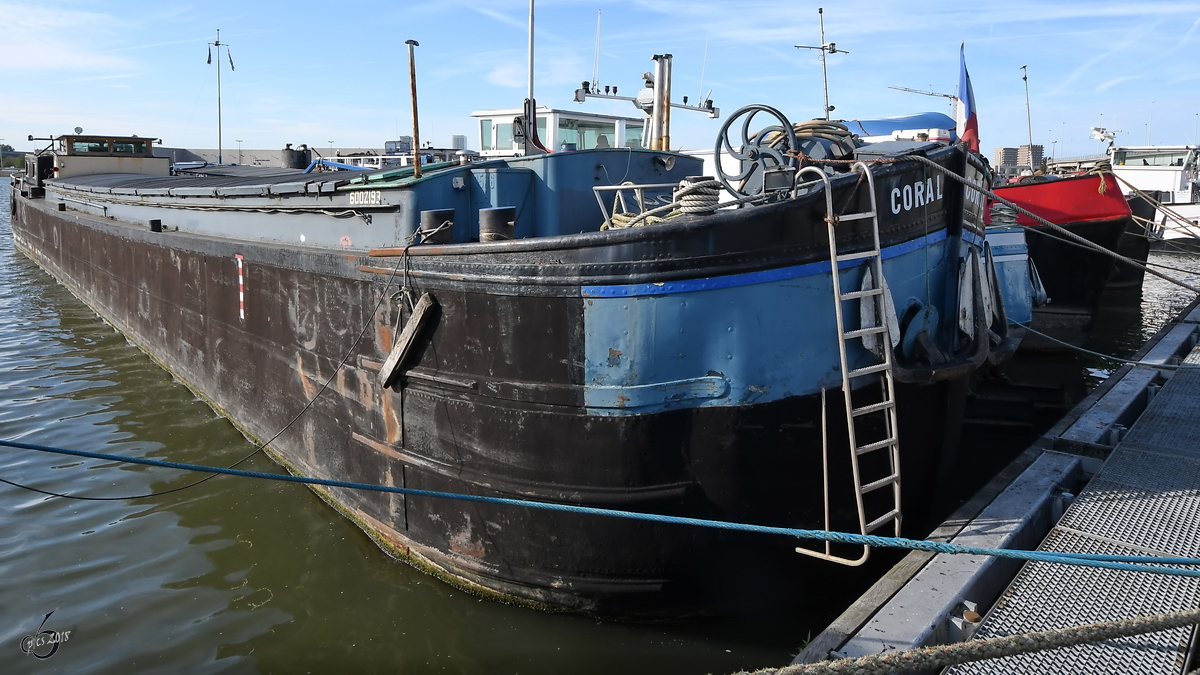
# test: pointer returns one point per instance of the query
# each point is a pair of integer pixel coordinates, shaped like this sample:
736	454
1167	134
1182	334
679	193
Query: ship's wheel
754	152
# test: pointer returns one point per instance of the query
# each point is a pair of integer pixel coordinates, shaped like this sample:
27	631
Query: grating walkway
1146	500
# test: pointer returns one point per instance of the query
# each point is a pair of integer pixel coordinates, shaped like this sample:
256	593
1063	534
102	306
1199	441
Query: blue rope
1116	562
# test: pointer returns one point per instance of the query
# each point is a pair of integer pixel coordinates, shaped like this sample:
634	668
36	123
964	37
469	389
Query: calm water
249	576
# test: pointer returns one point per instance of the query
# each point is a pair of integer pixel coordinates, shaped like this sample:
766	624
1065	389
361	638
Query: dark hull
1134	244
1074	277
1088	206
494	403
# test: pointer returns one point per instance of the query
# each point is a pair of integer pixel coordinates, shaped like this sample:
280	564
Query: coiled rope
707	189
933	659
698	195
1117	562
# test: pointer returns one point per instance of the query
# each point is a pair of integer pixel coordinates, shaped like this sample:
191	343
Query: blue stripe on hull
778	274
733	341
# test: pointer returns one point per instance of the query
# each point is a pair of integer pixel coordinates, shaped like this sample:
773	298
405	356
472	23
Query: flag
968	121
210	56
230	55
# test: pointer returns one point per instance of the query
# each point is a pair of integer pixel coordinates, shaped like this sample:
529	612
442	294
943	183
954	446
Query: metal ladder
886	407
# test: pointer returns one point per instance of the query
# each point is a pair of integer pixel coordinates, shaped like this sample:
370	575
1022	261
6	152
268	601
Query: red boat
1091	206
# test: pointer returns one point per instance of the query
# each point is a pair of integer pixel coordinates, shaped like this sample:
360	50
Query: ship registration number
366	198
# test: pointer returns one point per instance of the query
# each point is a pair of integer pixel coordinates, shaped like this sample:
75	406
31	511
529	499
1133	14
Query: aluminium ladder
885	409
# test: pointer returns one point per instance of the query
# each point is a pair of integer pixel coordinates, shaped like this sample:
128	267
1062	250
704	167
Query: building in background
1029	156
1005	157
458	142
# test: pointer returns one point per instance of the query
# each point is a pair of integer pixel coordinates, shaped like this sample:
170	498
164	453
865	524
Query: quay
1118	475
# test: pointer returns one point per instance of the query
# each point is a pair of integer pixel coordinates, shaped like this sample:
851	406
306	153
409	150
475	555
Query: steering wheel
756	152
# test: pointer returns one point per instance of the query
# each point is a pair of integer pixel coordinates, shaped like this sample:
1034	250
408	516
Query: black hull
1074	277
494	404
1134	244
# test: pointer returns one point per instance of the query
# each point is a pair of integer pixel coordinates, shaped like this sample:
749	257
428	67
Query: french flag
968	121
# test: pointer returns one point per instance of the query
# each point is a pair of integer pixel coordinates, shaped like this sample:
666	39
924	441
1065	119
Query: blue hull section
736	340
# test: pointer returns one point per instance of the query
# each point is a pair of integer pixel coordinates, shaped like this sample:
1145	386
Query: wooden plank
860	612
408	337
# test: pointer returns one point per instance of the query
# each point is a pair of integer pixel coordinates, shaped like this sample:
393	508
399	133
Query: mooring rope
1019	209
1181	223
1057	228
1116	562
1139	364
933	659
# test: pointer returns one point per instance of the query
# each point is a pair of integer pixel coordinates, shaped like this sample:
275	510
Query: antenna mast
218	44
1028	115
596	57
826	47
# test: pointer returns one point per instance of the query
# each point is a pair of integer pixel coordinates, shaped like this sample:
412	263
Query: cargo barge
679	367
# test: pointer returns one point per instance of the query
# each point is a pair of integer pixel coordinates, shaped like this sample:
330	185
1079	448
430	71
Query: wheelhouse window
586	134
633	135
485	135
129	147
504	137
1136	158
84	146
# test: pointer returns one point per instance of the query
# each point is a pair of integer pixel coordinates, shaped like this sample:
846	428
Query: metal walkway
1145	500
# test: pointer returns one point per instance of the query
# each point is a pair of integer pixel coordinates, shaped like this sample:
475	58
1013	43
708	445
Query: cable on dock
937	657
1127	563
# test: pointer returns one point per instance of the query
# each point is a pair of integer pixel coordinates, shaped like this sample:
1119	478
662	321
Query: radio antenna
825	48
596	56
703	66
218	44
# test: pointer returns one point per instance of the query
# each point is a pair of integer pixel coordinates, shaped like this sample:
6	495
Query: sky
322	72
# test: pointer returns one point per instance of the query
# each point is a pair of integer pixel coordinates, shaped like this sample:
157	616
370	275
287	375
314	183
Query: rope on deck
933	659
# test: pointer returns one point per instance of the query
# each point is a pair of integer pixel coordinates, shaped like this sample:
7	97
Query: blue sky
311	72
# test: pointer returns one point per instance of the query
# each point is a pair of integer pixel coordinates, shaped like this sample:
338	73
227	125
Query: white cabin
1170	169
558	130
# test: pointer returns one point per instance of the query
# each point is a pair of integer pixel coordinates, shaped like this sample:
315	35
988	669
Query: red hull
1077	199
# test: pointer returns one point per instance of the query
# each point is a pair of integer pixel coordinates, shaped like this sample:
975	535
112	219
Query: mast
412	78
824	71
218	44
1028	115
826	47
532	144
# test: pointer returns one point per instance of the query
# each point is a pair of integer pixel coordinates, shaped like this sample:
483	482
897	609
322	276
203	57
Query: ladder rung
882	482
859	372
857	216
882	520
872	330
877	445
868	409
860	294
857	256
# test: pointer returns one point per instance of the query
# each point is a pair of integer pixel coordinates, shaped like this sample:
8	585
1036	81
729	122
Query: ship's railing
639	194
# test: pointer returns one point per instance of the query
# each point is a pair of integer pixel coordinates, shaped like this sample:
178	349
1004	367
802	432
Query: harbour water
234	575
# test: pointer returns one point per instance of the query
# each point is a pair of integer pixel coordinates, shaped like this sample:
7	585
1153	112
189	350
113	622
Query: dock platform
1144	501
1137	437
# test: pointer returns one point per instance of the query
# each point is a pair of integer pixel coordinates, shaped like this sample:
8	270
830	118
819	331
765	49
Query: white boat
1168	174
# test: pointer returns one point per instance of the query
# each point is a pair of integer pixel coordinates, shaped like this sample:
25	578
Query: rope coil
698	195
